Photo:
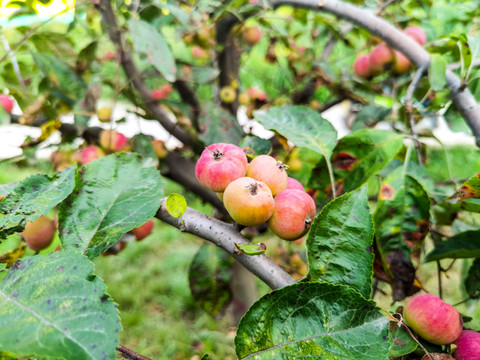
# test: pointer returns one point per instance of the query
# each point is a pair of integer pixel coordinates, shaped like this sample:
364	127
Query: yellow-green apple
433	319
104	114
417	34
7	103
294	184
380	59
468	346
144	230
401	64
361	66
270	171
293	215
228	94
248	201
112	141
38	234
251	34
219	165
159	148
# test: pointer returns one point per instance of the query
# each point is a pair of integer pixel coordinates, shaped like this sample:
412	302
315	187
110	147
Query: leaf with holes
313	321
33	197
58	308
340	243
301	125
112	195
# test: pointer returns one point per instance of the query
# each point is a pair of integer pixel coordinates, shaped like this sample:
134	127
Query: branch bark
225	236
462	98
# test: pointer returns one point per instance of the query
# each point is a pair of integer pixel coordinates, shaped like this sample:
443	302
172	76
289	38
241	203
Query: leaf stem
332	178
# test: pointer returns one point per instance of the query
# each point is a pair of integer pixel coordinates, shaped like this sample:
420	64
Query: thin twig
130	354
439	277
13	59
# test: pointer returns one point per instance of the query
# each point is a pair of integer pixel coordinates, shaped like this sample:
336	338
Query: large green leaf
209	278
219	125
472	281
53	305
313	321
33	197
340	243
149	41
301	125
463	245
402	342
112	196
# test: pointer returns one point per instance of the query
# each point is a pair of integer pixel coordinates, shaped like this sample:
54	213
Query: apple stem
282	166
308	222
401	323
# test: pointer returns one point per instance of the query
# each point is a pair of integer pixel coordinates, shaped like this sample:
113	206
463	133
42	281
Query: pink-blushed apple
256	94
294	184
249	202
7	103
38	234
88	154
200	53
417	34
468	346
401	64
163	92
380	59
251	34
361	66
159	148
144	230
270	171
219	165
112	141
433	319
293	214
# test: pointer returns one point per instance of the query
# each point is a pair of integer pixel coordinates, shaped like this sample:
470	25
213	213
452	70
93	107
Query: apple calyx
252	188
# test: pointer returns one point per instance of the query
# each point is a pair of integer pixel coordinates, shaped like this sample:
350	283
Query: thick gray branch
224	236
462	98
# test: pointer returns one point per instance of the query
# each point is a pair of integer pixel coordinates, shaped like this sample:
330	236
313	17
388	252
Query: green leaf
437	71
370	115
254	146
219	125
204	74
4	116
251	249
176	205
149	41
463	245
301	125
402	342
313	321
469	189
33	197
142	145
112	195
53	305
341	232
472	281
209	278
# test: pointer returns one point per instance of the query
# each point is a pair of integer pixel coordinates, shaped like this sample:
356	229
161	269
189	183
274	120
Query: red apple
417	34
380	59
38	234
433	319
293	215
251	34
270	171
88	154
256	94
294	184
110	55
468	346
163	92
6	102
113	141
361	66
144	230
249	202
219	165
200	53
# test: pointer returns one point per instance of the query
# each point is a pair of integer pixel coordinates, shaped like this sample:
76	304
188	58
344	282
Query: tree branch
225	236
462	98
130	354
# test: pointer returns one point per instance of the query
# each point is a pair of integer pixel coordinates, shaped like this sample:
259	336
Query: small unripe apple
270	171
159	148
251	35
244	99
249	202
38	234
293	214
228	94
219	165
433	319
361	66
468	346
88	154
104	114
256	94
200	53
401	64
294	184
380	59
7	103
417	34
113	141
110	55
144	230
163	92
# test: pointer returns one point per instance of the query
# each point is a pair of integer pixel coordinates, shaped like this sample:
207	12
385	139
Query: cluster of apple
441	324
384	58
256	192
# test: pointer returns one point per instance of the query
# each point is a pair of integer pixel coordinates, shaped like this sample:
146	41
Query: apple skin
159	148
417	34
144	230
293	215
256	94
228	94
112	141
252	35
361	66
401	64
163	92
468	346
7	103
219	165
294	184
380	59
104	114
39	234
433	319
88	154
249	202
270	171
